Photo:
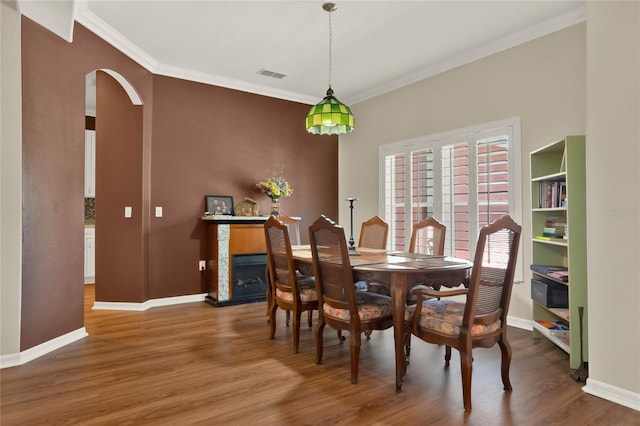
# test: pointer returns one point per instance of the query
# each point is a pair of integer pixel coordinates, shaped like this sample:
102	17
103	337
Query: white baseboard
522	323
152	303
12	360
613	394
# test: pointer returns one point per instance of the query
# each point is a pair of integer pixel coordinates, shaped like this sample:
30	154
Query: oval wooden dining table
399	272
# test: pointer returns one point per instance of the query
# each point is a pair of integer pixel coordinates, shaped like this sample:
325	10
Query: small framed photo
218	205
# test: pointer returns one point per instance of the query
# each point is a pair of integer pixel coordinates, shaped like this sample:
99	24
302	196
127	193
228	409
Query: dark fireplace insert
248	281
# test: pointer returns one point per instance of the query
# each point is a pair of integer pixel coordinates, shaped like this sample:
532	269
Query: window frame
471	135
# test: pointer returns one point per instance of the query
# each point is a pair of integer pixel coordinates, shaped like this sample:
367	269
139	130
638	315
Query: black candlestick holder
352	248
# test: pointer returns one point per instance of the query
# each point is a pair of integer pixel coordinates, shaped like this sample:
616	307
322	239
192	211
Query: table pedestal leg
399	295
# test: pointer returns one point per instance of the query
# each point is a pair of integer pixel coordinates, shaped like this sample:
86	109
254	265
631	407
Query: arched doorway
113	169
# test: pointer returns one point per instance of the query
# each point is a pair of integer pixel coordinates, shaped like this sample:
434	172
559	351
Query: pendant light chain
330	50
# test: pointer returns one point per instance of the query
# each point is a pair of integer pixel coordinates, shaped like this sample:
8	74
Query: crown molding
117	40
111	36
100	28
234	84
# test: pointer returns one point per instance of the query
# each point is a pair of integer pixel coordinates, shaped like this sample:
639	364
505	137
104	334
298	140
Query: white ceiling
378	46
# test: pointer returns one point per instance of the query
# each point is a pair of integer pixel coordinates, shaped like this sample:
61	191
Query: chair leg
269	294
466	366
367	334
288	317
407	346
355	343
296	330
505	349
272	319
319	342
447	355
341	338
310	317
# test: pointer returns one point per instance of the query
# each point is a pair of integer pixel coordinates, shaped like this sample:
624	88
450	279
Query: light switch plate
127	211
158	211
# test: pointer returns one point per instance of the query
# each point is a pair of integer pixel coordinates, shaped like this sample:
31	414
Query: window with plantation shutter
465	178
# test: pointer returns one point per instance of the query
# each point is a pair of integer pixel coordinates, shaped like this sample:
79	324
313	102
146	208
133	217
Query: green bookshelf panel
564	161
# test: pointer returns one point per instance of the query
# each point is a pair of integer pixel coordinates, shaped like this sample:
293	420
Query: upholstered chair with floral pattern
341	306
480	318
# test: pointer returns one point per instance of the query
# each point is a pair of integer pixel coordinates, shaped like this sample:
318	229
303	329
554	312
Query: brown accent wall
214	141
119	240
52	188
194	140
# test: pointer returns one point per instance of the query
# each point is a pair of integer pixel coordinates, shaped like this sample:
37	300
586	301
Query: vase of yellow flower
275	187
275	206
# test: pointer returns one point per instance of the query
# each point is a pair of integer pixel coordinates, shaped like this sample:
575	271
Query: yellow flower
275	187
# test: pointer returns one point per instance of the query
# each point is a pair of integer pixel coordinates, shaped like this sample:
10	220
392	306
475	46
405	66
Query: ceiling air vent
271	74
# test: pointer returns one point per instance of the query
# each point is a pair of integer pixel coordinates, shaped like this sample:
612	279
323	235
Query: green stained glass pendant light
330	116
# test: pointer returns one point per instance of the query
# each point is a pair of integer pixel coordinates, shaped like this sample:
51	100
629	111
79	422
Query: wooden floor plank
195	364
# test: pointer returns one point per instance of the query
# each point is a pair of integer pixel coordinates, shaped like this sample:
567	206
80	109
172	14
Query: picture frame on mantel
218	205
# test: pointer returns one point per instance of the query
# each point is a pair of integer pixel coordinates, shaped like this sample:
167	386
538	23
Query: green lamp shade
329	117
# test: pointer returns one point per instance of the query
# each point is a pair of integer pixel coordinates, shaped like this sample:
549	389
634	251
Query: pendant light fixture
330	116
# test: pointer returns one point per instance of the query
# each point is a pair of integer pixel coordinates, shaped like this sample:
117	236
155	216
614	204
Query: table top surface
383	260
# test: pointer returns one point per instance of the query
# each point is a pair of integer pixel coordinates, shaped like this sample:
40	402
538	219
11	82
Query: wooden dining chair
428	236
373	233
481	320
289	291
340	305
293	226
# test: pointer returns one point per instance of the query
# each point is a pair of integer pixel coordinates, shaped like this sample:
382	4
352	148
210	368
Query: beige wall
11	176
613	195
541	81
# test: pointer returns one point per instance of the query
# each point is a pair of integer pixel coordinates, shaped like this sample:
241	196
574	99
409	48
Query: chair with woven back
373	233
428	236
341	307
480	320
293	226
290	291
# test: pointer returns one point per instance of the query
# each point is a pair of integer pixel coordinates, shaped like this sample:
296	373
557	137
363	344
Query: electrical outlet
202	265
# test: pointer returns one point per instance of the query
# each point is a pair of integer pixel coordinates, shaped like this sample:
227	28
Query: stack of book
557	272
556	329
555	227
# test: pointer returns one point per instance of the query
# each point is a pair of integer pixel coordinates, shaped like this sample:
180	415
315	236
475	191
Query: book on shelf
546	238
553	325
552	194
559	275
554	227
558	272
556	329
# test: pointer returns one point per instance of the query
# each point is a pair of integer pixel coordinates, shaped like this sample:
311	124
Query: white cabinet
89	163
89	255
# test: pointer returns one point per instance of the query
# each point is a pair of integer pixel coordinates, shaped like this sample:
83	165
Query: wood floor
195	364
